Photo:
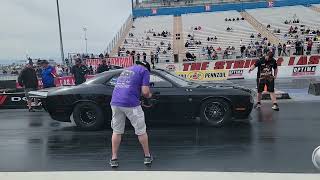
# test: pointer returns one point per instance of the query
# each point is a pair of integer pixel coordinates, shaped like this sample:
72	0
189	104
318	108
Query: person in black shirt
103	67
267	73
79	72
28	79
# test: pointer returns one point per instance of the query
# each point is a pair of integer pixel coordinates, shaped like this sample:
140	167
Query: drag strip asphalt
272	142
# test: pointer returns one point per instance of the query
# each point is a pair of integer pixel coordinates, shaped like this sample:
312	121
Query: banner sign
207	75
304	70
238	69
114	61
13	100
60	81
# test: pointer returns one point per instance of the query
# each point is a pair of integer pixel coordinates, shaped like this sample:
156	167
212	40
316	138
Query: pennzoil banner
207	75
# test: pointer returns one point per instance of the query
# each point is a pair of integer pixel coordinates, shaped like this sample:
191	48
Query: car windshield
177	79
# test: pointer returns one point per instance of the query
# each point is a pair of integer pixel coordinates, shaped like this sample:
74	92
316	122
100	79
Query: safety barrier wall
141	12
295	66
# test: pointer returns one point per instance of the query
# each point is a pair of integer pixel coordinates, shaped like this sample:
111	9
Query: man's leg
29	103
270	85
259	97
144	141
118	125
260	89
116	140
273	97
137	119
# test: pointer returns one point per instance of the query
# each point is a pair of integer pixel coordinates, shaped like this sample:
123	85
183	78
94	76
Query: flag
270	4
154	10
208	7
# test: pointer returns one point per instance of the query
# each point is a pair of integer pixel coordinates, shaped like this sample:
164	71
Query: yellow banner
207	75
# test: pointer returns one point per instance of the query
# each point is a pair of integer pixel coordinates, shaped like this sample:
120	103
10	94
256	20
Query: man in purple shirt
125	103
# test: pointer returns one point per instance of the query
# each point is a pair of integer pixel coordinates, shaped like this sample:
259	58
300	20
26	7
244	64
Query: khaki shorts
134	114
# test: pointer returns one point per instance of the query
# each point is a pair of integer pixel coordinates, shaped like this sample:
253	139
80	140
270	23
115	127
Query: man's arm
252	68
275	68
275	73
145	85
146	92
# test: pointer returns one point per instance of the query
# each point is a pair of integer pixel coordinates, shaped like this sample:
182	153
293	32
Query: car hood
222	85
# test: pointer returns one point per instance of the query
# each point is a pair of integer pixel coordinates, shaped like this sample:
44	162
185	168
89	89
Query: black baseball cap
145	64
44	62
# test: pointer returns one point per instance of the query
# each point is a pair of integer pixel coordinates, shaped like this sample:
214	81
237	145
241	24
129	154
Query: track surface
272	142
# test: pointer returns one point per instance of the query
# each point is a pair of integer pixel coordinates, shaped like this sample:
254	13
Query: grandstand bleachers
146	27
214	24
198	27
278	15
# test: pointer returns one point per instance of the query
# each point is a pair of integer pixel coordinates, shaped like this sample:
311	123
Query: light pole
60	33
86	39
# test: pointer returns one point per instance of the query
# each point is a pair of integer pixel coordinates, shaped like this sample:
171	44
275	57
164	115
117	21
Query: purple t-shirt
127	90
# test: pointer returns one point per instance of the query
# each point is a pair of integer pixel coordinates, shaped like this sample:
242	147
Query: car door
170	102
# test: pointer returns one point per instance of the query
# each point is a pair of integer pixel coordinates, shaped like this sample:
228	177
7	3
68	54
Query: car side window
158	82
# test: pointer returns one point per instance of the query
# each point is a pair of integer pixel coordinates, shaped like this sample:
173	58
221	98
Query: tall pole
86	39
60	33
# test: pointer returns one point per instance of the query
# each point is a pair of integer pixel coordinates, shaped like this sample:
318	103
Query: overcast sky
30	26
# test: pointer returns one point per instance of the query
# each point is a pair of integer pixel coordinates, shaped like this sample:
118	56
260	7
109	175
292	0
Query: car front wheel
88	116
215	112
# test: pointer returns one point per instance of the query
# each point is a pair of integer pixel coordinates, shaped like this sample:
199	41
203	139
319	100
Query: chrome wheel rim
87	115
215	112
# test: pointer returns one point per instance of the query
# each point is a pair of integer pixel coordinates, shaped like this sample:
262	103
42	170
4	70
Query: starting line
156	175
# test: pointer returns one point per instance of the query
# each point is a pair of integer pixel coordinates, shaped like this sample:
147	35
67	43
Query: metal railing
164	3
118	35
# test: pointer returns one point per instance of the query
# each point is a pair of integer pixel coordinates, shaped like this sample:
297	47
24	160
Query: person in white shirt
59	70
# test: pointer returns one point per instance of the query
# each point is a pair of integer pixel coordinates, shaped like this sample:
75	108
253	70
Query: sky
30	27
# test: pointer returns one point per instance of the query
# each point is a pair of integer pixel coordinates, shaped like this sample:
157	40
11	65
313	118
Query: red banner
115	61
60	81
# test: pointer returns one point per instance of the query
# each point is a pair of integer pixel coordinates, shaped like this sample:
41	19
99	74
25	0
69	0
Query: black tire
89	116
215	112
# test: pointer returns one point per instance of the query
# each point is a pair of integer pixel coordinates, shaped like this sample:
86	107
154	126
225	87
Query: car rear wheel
88	116
215	112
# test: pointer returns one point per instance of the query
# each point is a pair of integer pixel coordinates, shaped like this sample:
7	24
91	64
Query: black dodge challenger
175	100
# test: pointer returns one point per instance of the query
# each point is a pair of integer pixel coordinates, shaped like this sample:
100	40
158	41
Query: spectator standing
28	79
138	56
284	50
144	56
91	70
279	49
309	46
48	74
103	67
59	70
152	59
79	72
266	75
